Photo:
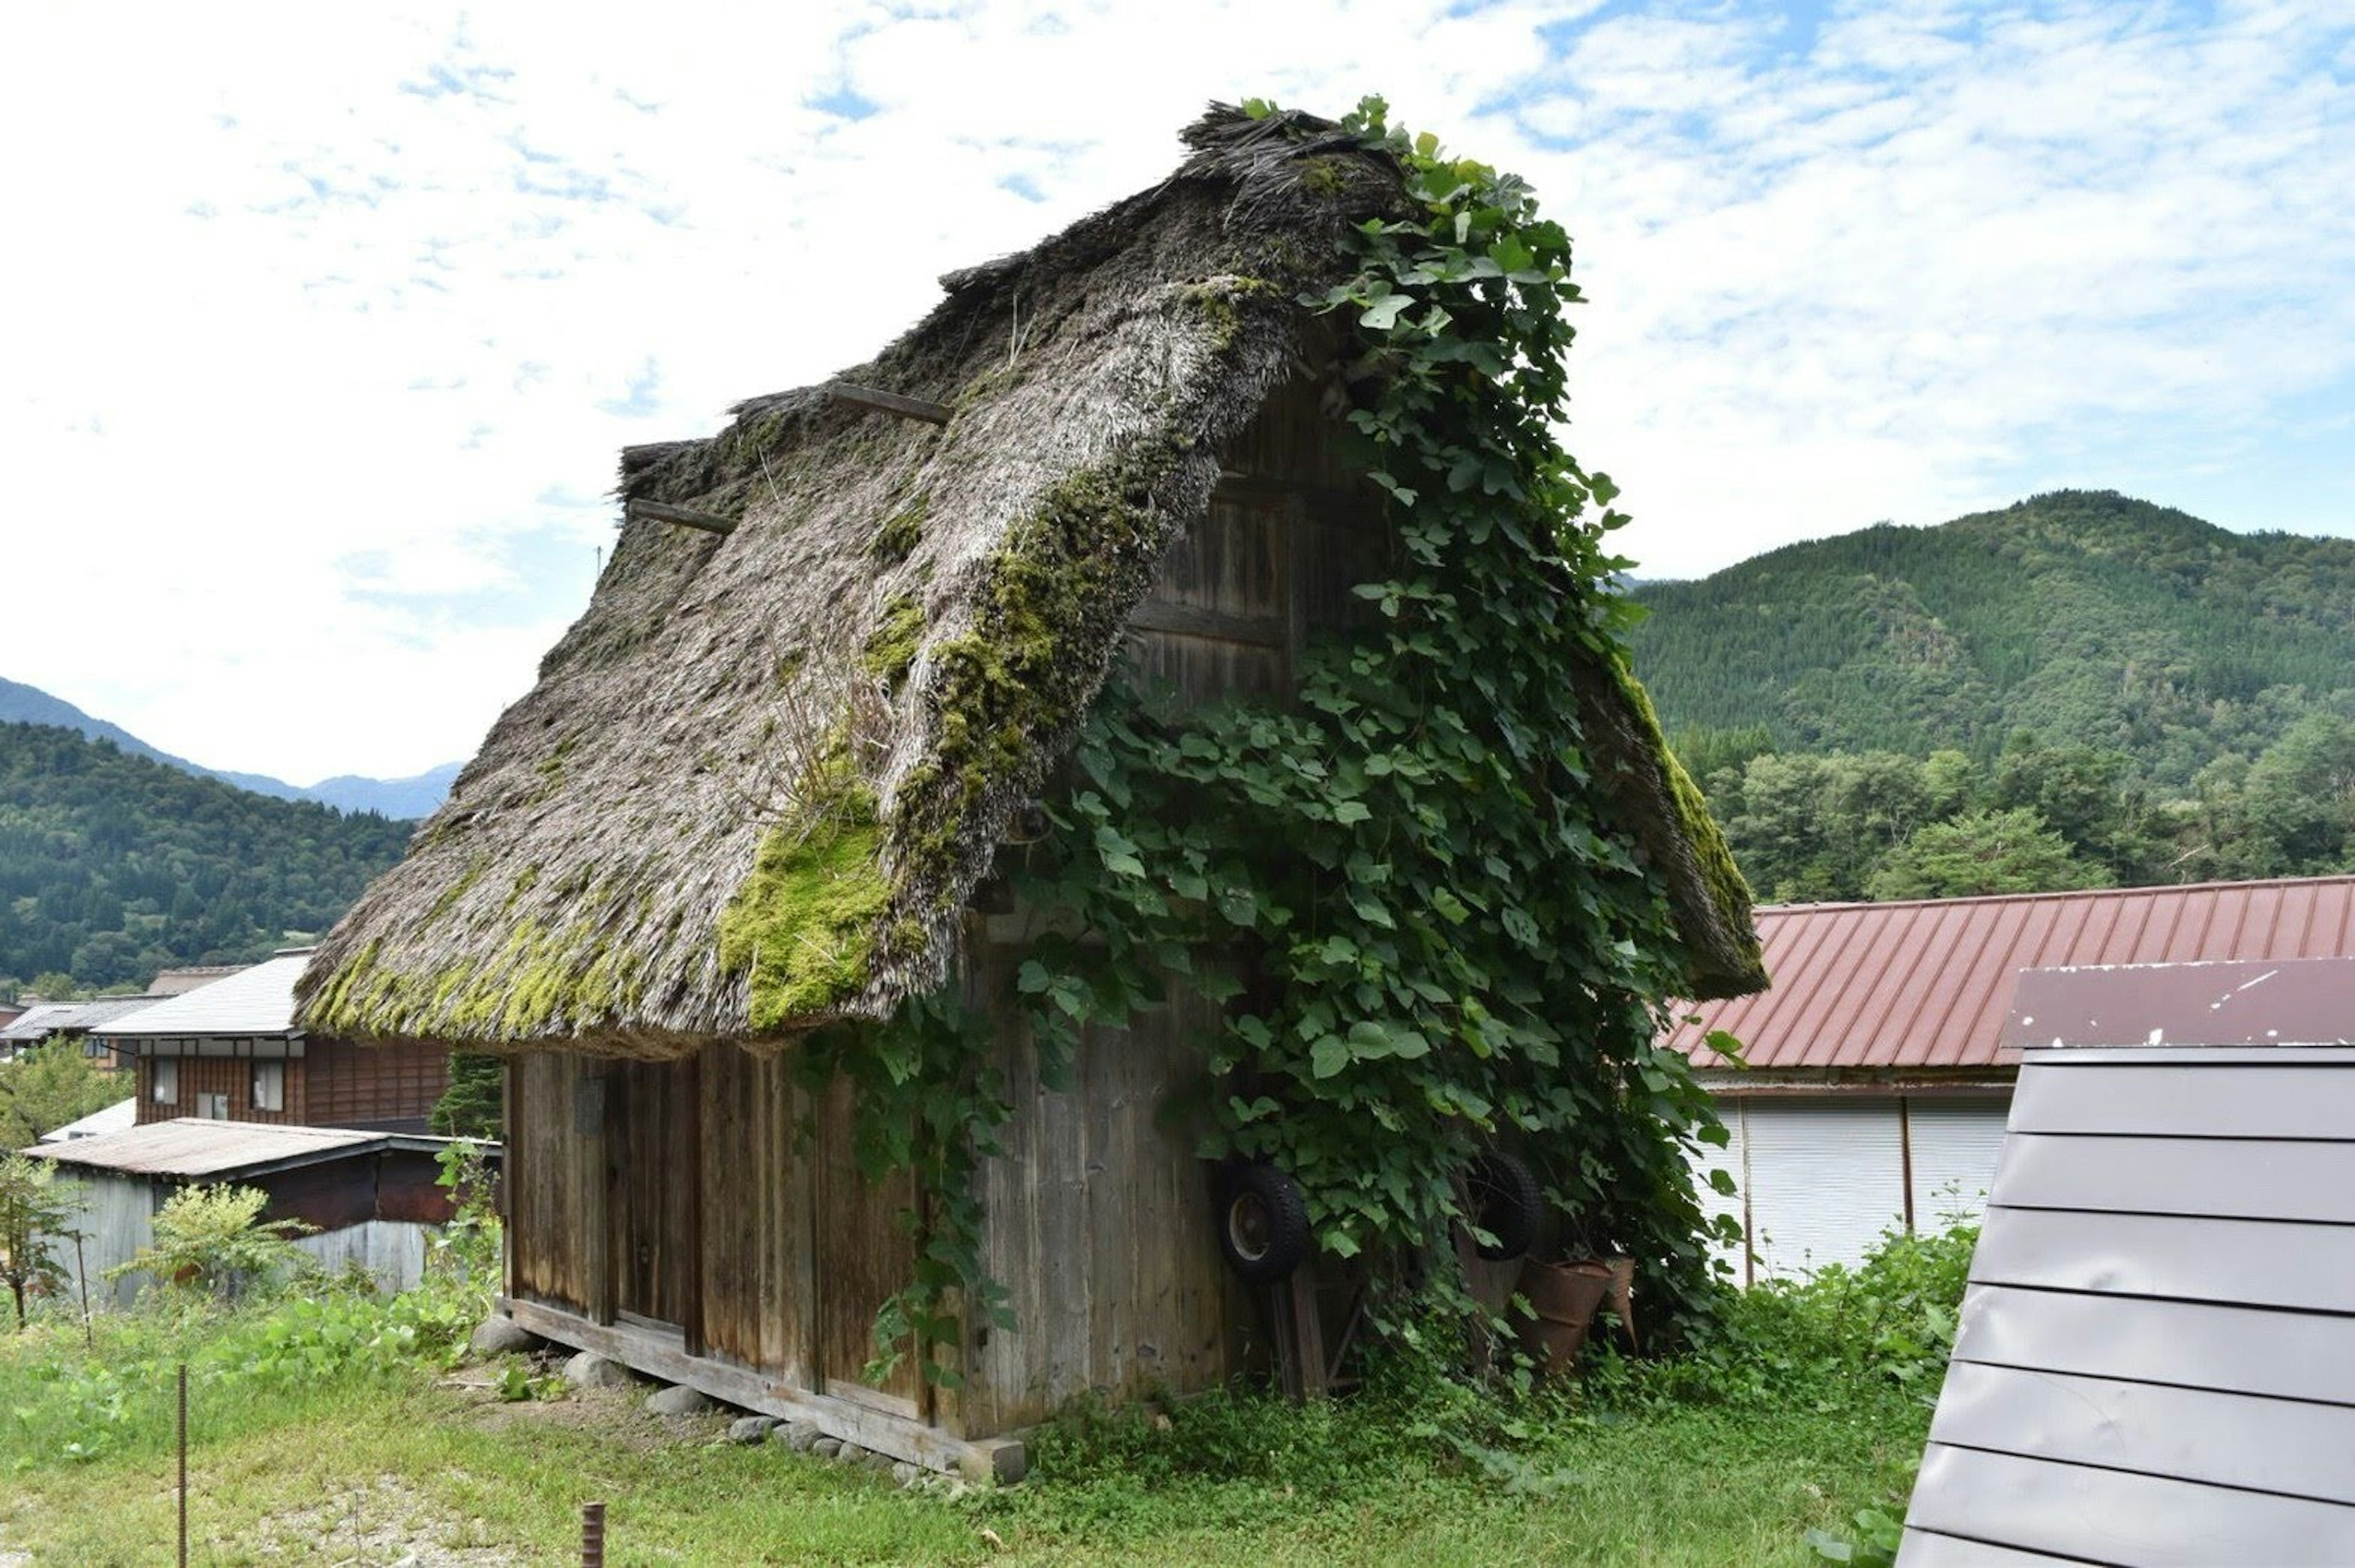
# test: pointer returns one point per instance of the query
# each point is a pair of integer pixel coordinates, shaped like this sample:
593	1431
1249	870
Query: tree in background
51	1085
36	1212
472	1106
1984	852
2300	794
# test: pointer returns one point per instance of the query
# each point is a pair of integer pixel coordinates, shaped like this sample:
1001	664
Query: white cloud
311	388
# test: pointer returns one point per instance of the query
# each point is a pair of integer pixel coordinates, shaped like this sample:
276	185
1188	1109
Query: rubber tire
1507	1204
1261	1198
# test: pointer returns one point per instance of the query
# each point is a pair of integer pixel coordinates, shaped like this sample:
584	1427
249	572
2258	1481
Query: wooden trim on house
660	1352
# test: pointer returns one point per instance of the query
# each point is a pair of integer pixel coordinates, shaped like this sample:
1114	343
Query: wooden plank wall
347	1085
1101	1226
1099	1215
2154	1360
681	1193
1101	1220
229	1075
548	1195
757	1278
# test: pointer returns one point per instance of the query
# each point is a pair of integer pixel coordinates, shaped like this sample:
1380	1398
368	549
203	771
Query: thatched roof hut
761	775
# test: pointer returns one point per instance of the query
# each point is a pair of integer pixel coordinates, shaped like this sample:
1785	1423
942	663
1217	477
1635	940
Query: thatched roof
759	779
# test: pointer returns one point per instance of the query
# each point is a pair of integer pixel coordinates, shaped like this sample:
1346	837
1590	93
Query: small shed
372	1198
1878	1073
1125	448
230	1049
2155	1359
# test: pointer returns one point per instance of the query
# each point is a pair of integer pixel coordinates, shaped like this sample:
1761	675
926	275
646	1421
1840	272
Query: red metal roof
1929	983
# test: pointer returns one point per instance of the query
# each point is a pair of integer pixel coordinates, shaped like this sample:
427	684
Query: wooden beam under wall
660	1353
885	403
684	517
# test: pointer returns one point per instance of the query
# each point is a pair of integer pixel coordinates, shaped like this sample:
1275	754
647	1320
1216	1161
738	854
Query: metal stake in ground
184	1465
592	1535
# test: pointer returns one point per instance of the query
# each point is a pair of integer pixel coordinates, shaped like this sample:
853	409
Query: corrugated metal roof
197	1146
1929	983
259	1000
41	1022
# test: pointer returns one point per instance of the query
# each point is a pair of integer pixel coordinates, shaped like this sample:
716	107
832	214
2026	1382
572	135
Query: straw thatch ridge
760	777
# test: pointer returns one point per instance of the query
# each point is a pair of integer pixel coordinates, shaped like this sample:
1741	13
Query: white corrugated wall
1820	1179
1827	1178
1956	1143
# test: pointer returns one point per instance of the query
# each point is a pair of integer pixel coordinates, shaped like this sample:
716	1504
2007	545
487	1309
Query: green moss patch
1729	890
803	923
890	651
897	539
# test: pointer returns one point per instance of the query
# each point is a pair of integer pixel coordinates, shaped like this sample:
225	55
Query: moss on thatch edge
1708	895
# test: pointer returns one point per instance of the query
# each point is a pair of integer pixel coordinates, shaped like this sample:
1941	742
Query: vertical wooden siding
548	1193
1100	1217
347	1085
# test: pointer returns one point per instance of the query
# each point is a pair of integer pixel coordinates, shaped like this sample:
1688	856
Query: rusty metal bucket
1564	1296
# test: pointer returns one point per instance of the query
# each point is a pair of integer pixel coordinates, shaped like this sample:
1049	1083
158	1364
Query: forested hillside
113	865
2078	690
2079	615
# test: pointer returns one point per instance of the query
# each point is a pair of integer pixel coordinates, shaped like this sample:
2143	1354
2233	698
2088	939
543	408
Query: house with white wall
1875	1075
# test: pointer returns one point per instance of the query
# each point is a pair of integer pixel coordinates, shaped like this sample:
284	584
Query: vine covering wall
1405	884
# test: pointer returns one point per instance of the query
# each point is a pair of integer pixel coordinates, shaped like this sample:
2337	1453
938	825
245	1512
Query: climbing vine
1399	885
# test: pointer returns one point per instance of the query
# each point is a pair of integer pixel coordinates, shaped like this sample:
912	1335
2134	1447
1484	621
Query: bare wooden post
592	1535
184	1465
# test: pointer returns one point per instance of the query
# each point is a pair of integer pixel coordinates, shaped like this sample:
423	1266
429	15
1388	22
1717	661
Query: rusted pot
1564	1296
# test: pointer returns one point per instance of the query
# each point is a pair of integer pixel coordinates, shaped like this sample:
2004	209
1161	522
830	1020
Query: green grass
336	1427
290	1470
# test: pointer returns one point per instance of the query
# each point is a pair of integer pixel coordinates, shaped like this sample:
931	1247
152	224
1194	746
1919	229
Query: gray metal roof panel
259	1000
199	1146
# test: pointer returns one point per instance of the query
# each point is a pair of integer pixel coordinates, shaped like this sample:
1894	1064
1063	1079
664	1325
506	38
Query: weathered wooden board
661	1353
755	1219
547	1220
861	1257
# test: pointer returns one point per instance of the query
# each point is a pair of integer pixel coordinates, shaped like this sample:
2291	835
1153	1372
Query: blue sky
310	395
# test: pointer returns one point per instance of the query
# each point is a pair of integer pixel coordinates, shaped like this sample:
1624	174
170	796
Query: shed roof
259	999
49	1017
111	1118
207	1148
1929	983
711	819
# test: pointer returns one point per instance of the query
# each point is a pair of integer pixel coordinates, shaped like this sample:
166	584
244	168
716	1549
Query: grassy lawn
374	1466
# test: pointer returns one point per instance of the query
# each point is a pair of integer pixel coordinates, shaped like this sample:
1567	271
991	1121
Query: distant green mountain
415	796
115	864
2086	618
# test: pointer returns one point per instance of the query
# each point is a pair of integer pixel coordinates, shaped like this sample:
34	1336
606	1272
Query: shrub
215	1239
